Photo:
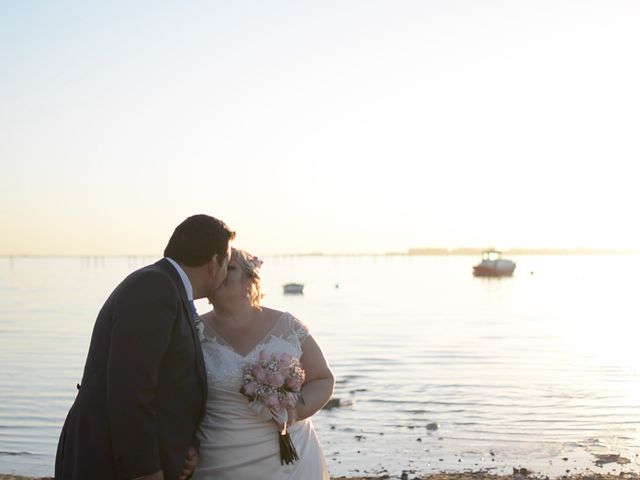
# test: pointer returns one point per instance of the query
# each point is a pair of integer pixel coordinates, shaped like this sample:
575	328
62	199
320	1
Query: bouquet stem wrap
288	452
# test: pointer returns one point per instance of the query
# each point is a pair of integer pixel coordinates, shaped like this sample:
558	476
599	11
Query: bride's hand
292	416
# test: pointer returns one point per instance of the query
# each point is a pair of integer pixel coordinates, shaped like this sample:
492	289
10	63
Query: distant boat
294	288
493	265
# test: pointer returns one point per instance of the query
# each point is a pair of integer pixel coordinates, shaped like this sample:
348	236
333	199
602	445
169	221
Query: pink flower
259	373
285	360
275	380
264	356
250	388
294	383
272	401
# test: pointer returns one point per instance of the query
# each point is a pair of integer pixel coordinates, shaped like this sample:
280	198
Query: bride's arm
319	380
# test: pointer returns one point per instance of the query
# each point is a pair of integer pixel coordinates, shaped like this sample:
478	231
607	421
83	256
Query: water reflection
537	367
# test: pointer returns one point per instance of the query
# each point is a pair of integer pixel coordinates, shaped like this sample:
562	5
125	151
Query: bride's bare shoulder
208	317
271	314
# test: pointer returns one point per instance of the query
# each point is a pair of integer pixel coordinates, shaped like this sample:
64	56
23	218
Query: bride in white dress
235	443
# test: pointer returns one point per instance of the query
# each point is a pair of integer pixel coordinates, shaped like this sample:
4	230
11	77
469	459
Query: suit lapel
199	355
167	267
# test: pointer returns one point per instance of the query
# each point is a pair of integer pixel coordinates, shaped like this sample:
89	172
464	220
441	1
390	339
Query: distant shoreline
412	252
525	251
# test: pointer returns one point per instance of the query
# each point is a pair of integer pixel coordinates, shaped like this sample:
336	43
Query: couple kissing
165	392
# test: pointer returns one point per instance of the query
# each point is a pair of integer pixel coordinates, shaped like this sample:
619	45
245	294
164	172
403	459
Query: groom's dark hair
197	239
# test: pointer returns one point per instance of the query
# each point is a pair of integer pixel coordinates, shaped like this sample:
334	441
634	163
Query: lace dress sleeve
299	329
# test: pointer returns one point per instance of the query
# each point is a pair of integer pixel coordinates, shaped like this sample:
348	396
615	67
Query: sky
331	126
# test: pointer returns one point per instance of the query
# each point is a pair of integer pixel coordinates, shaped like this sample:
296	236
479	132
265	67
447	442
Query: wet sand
490	476
442	476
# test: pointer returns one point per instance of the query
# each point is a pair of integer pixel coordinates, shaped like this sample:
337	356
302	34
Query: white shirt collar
183	277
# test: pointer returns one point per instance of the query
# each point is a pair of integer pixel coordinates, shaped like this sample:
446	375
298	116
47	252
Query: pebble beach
481	475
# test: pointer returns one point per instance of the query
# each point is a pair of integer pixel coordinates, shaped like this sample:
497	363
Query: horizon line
419	251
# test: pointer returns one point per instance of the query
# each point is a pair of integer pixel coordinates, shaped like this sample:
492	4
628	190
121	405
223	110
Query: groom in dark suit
143	391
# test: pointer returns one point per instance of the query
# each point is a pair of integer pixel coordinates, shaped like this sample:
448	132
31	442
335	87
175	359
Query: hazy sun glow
337	127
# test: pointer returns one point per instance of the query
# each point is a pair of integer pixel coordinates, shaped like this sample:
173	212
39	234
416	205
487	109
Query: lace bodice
224	365
234	441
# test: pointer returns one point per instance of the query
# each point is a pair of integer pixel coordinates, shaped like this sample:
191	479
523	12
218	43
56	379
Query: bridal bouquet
272	385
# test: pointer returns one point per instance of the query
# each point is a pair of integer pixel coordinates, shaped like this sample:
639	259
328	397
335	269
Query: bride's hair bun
250	266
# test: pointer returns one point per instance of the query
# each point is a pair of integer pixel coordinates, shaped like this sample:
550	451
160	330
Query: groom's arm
155	476
144	316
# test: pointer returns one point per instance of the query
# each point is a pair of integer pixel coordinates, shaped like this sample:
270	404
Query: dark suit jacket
143	391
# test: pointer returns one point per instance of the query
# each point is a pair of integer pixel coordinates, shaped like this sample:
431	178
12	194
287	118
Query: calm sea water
540	370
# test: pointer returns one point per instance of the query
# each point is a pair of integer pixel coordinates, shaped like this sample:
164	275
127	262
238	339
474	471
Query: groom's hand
189	463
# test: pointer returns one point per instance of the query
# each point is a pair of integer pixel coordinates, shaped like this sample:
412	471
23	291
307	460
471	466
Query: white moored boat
493	265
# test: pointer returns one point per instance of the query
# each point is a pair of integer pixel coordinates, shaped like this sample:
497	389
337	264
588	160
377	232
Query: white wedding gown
234	443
